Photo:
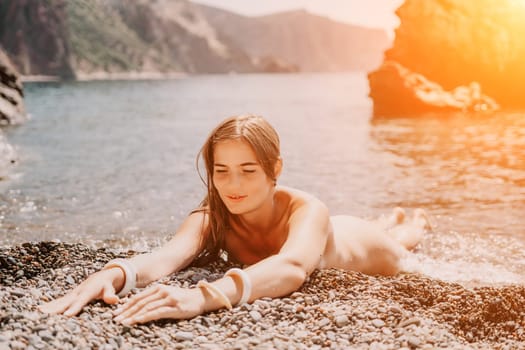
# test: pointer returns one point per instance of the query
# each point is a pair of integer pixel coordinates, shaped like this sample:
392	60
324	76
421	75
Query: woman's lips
235	198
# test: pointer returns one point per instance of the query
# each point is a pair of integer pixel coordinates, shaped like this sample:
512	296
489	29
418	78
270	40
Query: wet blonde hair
263	139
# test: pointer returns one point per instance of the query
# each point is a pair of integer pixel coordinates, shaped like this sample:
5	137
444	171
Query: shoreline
334	309
96	76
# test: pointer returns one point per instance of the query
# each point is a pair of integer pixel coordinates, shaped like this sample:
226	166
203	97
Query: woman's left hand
161	301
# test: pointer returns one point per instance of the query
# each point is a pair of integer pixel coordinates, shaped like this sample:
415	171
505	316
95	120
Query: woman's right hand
100	285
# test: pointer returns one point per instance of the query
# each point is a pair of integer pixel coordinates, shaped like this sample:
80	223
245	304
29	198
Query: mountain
312	42
82	38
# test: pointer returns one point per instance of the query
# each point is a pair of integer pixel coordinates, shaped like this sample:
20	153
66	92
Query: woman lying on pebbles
279	234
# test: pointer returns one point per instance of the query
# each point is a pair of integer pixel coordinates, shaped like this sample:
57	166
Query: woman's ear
278	167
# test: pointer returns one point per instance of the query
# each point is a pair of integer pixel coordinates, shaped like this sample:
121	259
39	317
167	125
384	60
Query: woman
281	234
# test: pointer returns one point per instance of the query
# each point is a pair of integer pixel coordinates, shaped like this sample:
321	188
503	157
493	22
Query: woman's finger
59	305
75	307
138	304
151	306
108	294
152	314
135	299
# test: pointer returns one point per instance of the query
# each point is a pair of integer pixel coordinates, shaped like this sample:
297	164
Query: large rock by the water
12	110
396	90
455	42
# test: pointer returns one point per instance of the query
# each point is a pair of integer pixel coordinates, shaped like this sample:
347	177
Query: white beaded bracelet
246	283
130	274
219	294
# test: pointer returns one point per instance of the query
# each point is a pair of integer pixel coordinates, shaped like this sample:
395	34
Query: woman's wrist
205	300
130	274
117	277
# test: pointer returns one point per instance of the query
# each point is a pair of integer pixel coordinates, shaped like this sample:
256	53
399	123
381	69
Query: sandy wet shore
333	310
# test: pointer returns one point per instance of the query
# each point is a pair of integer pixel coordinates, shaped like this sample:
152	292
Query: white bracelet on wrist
219	294
246	283
130	274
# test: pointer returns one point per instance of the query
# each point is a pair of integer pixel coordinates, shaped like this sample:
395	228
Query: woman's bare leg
373	247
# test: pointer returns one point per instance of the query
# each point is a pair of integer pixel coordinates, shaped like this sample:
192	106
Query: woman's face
239	178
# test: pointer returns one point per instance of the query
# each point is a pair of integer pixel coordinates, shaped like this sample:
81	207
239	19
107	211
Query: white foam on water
460	271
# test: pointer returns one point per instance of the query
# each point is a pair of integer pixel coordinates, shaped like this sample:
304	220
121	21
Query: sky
369	13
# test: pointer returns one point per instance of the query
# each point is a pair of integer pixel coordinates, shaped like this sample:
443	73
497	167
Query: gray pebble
378	323
46	335
324	322
413	342
255	315
410	321
342	320
17	345
182	336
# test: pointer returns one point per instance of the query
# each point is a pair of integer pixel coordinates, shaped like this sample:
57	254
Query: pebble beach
334	309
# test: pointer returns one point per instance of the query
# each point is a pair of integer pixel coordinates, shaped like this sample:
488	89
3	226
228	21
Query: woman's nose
234	180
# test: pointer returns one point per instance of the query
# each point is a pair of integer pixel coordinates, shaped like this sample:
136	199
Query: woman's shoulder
297	198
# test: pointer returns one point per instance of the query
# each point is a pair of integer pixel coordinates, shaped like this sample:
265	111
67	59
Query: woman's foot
421	219
410	233
397	217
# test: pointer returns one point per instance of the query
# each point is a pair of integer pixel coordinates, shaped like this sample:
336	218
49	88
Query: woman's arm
104	284
175	255
285	272
275	276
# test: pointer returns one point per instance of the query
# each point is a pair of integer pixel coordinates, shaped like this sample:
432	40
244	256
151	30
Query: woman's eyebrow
242	164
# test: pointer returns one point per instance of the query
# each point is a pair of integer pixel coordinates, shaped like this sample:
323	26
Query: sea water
112	163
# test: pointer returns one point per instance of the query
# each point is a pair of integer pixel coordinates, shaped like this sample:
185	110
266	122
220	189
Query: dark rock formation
12	110
396	90
35	36
311	42
269	64
455	42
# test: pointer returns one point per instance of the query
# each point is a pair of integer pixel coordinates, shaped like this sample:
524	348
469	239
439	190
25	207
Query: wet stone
378	323
256	316
342	320
324	322
182	336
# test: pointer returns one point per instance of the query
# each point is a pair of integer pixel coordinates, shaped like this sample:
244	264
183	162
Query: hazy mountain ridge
312	42
76	38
